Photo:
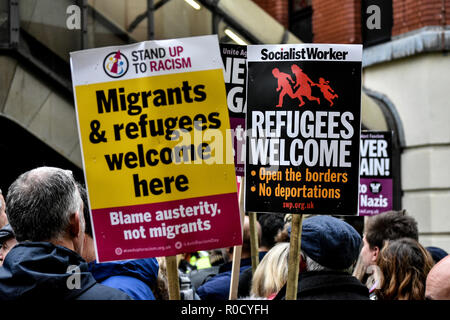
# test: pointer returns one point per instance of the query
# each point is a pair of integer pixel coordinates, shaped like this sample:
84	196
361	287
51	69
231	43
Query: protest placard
376	179
303	128
153	120
235	64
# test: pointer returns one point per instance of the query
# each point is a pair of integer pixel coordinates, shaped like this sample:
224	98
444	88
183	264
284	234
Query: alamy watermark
74	280
73	21
374	19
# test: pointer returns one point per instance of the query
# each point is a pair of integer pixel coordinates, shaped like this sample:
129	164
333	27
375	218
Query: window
4	23
300	19
376	21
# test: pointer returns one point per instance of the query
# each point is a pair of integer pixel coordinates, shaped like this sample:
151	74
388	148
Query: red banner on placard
166	228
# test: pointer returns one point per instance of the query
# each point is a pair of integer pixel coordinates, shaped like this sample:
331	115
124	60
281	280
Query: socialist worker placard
303	128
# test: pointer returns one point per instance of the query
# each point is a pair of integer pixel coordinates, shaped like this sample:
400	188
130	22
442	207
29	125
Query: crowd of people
47	251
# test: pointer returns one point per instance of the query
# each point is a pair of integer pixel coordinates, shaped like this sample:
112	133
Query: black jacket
328	285
245	279
41	270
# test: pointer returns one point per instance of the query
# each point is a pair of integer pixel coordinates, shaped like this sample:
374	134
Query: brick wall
278	9
337	21
415	14
340	21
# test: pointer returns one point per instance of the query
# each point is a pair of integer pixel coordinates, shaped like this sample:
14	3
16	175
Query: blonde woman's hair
271	273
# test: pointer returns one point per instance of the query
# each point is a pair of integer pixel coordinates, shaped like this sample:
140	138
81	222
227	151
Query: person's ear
375	252
74	225
302	267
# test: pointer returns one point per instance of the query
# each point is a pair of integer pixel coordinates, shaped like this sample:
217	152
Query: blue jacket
218	287
41	270
134	277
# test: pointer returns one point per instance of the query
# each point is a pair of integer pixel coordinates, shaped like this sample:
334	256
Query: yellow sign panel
155	139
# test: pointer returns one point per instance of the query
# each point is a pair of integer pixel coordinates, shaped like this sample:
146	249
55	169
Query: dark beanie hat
437	253
331	242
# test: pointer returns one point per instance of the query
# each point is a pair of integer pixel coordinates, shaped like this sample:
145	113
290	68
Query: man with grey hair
45	211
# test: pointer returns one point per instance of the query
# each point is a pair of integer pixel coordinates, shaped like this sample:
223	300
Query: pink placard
167	228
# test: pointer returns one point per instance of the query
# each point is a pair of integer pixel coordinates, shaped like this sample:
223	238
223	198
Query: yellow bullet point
253	172
253	189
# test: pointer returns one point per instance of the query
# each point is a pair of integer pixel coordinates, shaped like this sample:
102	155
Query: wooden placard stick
254	244
237	250
294	257
172	277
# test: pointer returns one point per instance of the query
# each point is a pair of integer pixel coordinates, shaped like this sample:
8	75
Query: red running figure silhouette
283	84
303	82
327	92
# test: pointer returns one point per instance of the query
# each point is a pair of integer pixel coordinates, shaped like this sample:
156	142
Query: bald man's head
438	281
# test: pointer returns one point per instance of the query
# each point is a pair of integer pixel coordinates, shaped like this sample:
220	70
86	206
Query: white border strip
198	54
304	52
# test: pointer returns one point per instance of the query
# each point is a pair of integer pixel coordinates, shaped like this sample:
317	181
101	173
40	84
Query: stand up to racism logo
115	64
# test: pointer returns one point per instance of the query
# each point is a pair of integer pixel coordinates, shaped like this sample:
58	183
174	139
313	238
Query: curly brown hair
404	264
